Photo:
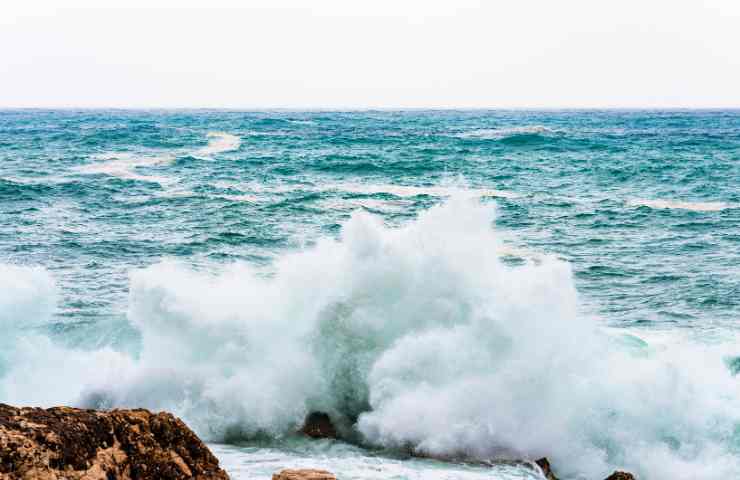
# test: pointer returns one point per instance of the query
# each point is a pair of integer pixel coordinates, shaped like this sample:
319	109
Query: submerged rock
620	476
74	444
319	425
544	465
303	474
546	468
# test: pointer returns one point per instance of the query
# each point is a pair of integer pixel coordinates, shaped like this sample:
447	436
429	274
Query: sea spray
28	296
420	336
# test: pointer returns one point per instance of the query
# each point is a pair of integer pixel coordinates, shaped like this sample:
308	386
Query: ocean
470	285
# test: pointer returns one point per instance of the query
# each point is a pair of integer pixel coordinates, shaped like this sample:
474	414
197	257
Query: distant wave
256	191
678	205
219	142
433	190
372	204
239	198
500	133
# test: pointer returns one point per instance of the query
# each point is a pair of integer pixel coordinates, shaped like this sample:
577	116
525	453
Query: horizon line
370	109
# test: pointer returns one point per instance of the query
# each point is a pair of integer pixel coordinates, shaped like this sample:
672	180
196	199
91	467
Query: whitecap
239	198
219	142
432	190
499	133
680	205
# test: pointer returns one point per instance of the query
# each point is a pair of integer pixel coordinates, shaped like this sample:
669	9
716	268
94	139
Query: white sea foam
348	461
425	334
27	296
674	204
219	142
124	164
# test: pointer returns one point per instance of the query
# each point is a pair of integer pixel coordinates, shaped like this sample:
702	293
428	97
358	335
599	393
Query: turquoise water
576	272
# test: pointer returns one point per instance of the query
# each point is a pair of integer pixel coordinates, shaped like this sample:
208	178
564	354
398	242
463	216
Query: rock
73	444
544	465
318	425
304	474
620	476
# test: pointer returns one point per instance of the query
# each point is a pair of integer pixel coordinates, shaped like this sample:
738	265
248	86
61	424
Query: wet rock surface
319	425
621	476
304	474
544	465
74	444
547	472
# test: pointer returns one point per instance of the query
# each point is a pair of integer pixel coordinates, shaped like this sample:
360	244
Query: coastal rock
73	444
303	474
546	468
620	476
319	425
544	465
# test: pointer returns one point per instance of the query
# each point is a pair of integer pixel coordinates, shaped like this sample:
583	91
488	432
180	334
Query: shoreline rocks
547	472
64	443
75	444
319	425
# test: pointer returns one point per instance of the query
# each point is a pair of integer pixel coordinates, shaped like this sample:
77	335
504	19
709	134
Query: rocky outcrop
544	465
73	444
319	425
304	474
621	476
547	472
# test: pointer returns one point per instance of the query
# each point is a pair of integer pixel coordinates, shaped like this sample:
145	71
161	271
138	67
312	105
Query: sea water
477	285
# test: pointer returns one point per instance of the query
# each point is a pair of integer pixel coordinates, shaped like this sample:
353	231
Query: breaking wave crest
503	133
416	337
219	142
678	205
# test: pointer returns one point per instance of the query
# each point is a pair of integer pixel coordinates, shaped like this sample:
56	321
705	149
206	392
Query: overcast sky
370	53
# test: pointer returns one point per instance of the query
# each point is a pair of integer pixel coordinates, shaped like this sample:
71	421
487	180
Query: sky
339	54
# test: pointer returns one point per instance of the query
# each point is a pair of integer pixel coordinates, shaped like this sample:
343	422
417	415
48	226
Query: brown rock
73	444
544	465
303	474
318	425
620	476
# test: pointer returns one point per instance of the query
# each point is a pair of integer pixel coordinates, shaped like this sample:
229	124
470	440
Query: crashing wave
420	337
